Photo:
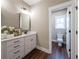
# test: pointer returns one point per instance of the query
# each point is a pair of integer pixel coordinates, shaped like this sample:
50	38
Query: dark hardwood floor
57	53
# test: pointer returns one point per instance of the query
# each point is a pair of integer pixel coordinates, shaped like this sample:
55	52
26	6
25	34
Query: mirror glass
24	21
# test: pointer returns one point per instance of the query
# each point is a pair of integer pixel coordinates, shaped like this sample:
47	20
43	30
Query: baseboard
43	49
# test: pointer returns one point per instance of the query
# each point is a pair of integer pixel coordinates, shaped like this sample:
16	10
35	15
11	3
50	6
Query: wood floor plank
57	53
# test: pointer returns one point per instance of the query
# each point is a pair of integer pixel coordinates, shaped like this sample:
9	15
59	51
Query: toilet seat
60	40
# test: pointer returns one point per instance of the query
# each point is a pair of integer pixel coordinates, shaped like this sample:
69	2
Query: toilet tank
60	35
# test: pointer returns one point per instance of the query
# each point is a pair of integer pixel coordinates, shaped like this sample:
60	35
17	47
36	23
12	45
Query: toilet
59	39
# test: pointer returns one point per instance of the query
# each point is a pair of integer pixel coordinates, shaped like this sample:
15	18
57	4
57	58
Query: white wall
40	20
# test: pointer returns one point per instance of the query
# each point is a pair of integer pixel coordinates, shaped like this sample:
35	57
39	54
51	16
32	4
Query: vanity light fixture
24	10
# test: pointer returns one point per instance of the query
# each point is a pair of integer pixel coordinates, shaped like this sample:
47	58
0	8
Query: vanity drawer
15	42
14	47
17	54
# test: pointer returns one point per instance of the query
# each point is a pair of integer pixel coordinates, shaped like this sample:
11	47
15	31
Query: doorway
60	26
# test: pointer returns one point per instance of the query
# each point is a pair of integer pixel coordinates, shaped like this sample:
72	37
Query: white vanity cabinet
13	49
18	47
30	43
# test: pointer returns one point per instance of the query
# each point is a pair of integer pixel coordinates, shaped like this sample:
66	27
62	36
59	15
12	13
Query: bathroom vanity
19	46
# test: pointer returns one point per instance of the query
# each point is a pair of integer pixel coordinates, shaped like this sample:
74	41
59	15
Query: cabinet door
33	41
30	43
27	45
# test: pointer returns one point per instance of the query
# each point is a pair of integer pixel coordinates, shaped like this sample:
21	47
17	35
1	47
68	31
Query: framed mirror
24	22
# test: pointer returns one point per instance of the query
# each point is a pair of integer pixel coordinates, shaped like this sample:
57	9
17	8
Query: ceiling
32	2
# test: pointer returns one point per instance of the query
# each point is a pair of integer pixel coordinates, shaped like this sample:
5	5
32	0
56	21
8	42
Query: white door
68	31
76	29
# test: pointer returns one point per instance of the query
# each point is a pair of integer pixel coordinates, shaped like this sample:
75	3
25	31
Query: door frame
55	8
